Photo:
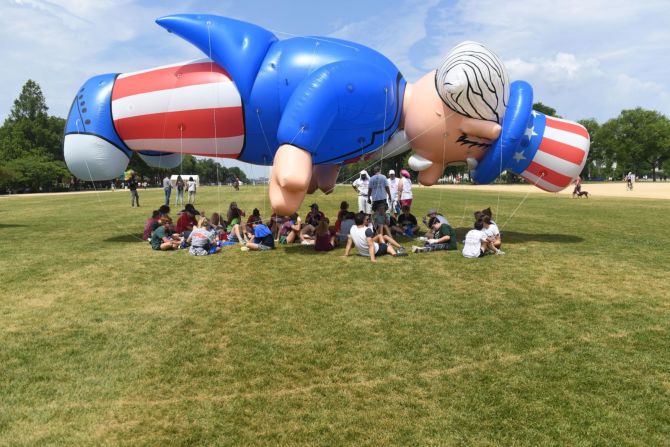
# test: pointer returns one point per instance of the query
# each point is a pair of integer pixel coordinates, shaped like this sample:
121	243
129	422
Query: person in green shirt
444	238
161	238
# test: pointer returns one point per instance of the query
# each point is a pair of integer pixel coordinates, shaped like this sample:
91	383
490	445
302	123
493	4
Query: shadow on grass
520	238
126	238
11	225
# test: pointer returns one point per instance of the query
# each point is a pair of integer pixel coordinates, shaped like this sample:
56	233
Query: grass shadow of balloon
516	237
2	225
126	238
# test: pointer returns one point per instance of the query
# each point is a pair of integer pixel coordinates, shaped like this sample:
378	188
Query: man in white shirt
361	186
370	244
392	183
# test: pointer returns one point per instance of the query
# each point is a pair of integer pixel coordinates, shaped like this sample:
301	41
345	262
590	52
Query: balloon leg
326	177
290	178
431	175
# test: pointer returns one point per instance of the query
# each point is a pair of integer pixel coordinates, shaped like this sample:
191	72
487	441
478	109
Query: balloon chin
92	158
162	160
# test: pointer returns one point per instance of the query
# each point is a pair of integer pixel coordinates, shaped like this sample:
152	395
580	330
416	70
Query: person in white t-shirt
405	189
392	183
476	243
191	190
368	243
492	233
361	186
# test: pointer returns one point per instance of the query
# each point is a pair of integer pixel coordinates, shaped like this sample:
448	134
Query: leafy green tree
31	143
637	139
549	111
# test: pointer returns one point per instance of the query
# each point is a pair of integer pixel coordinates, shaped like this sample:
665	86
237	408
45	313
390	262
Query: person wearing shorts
367	243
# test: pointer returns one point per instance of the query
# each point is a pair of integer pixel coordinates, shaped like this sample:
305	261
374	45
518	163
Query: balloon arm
396	145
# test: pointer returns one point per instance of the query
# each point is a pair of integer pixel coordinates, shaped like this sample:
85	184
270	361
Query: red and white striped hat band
190	107
551	153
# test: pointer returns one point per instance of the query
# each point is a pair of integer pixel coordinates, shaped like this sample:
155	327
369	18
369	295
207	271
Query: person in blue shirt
263	238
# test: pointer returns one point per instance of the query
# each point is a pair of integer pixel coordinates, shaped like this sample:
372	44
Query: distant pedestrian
167	188
180	190
134	196
191	190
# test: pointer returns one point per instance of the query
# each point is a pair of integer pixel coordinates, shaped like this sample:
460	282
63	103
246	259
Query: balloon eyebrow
463	139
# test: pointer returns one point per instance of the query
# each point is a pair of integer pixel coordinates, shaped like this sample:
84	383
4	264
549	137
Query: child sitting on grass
202	239
161	239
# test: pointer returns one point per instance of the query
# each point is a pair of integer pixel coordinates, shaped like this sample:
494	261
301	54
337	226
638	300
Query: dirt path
642	190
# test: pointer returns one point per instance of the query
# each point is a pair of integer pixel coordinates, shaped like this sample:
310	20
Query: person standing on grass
367	243
180	191
444	238
578	186
191	190
405	189
392	183
361	185
167	188
378	190
132	186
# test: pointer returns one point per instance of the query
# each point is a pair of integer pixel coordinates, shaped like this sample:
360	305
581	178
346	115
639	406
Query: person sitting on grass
234	232
186	220
290	229
161	239
254	218
151	225
476	244
345	228
324	237
344	209
202	239
444	238
492	232
380	221
314	216
263	238
233	206
407	223
367	243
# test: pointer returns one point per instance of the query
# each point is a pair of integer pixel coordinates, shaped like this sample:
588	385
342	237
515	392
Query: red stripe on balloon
561	150
168	78
568	127
549	175
198	123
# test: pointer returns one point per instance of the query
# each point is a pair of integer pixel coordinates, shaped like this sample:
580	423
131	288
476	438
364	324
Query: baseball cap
431	211
391	172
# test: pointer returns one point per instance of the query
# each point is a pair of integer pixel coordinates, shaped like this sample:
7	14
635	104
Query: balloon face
440	136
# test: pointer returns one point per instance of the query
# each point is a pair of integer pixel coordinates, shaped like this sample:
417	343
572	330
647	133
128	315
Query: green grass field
563	341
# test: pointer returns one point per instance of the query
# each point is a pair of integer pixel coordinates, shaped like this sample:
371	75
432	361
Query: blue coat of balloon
336	99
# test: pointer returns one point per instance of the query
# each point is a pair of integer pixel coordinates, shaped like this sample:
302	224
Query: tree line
31	149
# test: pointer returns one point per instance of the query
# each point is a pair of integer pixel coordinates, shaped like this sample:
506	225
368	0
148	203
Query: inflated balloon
306	105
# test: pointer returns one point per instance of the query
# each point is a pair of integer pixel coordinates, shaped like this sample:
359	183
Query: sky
585	58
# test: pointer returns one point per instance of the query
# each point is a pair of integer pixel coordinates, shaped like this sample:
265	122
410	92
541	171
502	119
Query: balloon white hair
473	81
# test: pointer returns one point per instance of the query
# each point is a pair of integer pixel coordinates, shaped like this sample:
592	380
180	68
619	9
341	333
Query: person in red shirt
187	221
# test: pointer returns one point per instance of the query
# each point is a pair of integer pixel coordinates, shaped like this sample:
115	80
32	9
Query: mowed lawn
563	341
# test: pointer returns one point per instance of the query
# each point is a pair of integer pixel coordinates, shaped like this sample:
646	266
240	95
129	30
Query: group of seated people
484	238
372	235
